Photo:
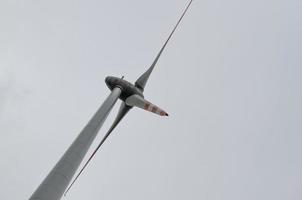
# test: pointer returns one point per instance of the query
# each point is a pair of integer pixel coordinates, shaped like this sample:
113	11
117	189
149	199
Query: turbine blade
59	177
142	80
140	102
124	109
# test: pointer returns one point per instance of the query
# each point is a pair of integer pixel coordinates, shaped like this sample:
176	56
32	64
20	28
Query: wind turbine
56	182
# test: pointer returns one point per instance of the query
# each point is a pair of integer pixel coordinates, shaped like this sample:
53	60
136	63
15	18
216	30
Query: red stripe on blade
147	105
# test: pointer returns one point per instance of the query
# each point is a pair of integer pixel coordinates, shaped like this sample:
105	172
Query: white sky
230	79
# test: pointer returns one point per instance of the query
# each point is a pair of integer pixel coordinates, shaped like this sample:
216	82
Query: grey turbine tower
131	95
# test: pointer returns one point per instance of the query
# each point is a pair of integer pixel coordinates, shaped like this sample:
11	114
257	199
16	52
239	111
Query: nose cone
108	81
111	82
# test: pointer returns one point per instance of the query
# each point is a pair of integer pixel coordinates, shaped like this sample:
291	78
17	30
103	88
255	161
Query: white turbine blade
142	80
54	185
140	102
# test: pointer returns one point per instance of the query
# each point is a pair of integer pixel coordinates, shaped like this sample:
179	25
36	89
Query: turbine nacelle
128	89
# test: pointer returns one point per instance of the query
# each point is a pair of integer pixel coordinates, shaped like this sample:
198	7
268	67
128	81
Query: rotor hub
127	88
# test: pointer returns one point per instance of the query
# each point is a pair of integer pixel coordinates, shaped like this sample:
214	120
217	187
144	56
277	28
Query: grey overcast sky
230	79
